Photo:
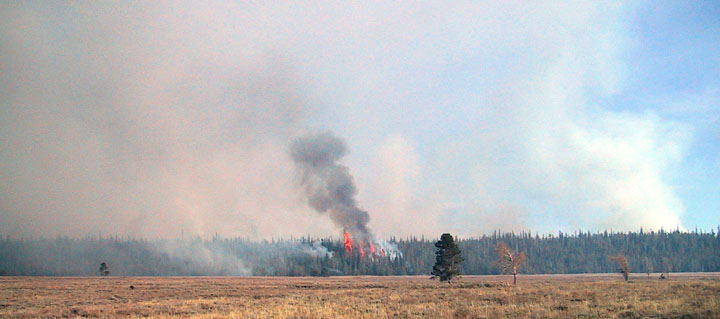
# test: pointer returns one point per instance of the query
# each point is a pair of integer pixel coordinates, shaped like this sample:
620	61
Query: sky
152	119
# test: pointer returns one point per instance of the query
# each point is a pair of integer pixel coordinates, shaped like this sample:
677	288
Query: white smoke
149	119
316	249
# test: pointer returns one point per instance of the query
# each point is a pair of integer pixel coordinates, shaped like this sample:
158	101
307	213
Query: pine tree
447	259
104	269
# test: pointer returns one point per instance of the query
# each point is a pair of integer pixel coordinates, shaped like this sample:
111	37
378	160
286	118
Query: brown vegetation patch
543	296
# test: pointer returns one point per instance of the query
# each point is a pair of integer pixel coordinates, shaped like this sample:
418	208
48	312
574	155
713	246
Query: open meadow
535	296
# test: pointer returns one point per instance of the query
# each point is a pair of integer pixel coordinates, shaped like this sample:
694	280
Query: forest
562	253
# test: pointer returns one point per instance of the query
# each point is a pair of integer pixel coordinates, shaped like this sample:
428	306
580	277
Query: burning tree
359	248
623	265
509	261
447	259
348	243
104	269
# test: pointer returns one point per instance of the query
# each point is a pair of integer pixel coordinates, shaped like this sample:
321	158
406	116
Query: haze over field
149	119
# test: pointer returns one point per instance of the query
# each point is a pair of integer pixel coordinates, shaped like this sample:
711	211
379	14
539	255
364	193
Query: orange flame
348	243
372	249
362	251
382	252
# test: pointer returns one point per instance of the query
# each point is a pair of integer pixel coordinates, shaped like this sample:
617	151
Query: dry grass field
541	296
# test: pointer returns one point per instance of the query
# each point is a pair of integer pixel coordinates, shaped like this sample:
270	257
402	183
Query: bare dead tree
623	265
667	266
648	266
508	261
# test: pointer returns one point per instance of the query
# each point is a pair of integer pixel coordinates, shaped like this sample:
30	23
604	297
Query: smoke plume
328	184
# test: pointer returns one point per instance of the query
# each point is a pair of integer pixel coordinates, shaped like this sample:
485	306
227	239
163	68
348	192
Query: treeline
562	253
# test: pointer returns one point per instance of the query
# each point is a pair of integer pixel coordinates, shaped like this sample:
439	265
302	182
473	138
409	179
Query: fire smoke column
328	184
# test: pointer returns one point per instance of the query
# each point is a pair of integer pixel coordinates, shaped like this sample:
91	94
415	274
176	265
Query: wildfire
348	243
362	248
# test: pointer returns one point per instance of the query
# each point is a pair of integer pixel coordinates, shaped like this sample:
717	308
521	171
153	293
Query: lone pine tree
104	269
447	259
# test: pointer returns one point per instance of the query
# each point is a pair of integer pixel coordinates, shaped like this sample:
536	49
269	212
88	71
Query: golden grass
541	296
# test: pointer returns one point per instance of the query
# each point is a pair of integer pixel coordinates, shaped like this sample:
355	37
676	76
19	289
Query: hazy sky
149	118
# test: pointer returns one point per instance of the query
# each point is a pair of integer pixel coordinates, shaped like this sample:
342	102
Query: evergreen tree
562	253
447	259
104	269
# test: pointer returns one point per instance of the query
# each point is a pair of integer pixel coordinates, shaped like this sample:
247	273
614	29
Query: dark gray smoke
328	184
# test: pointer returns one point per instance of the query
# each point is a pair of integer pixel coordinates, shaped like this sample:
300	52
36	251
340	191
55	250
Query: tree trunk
514	278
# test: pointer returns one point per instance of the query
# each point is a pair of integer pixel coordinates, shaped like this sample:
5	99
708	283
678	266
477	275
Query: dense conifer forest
580	252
